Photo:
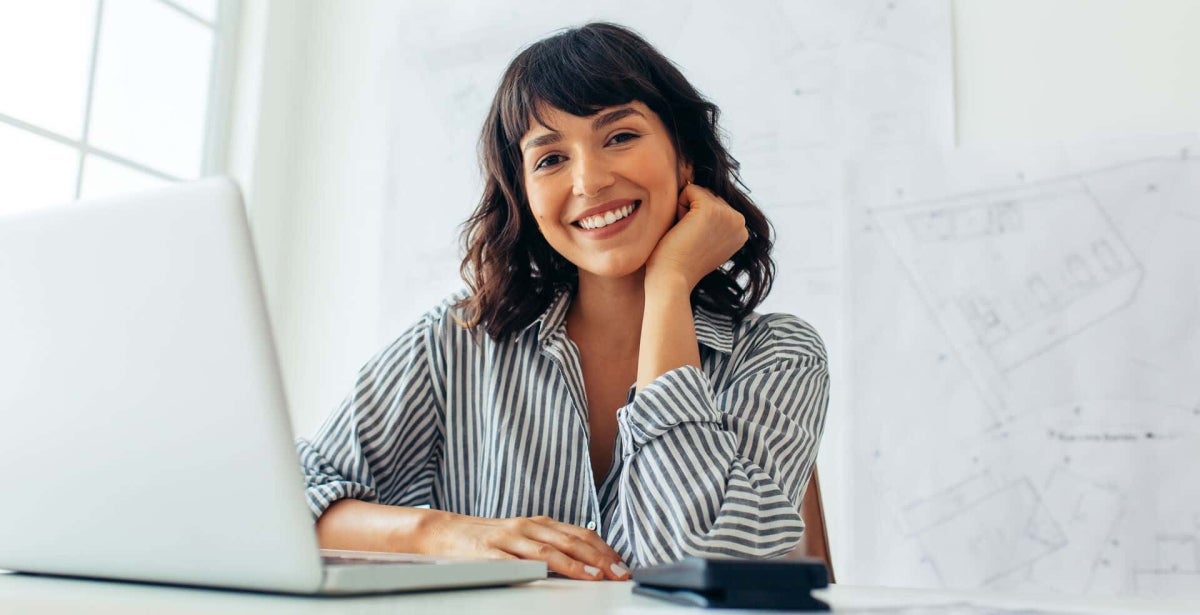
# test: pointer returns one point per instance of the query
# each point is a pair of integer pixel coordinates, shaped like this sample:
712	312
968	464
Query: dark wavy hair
512	272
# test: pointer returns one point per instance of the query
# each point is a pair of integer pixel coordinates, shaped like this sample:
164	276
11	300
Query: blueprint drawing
1026	338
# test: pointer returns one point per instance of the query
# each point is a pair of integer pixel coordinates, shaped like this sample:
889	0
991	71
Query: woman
612	246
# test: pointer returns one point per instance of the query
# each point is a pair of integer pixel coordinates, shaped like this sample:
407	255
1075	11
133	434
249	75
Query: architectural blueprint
1026	339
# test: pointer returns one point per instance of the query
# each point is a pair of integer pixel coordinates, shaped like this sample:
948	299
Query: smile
607	218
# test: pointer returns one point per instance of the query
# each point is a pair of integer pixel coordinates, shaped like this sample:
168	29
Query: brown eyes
623	137
548	161
555	159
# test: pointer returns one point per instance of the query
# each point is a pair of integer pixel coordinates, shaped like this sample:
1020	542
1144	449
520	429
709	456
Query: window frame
222	69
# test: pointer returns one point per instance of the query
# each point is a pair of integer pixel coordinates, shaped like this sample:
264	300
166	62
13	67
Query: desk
21	594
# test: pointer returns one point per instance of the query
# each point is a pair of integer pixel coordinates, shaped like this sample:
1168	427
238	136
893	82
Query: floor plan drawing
1011	274
1025	355
1005	530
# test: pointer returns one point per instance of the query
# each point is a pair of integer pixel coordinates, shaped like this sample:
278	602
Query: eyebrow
615	115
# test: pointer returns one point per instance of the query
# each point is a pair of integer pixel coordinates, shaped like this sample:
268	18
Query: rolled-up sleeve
377	444
722	472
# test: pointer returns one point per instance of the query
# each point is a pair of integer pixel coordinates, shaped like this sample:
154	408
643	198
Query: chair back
816	537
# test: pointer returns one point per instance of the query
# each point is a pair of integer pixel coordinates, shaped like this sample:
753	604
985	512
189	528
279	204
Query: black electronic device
736	583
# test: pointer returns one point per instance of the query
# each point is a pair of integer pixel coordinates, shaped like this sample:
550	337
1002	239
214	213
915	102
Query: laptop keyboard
341	560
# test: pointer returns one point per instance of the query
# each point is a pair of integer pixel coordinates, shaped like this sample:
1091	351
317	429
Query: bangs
579	72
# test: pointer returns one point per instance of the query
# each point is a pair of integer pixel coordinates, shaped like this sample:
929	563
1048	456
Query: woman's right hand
569	550
707	233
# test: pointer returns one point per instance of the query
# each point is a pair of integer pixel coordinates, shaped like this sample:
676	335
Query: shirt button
591	525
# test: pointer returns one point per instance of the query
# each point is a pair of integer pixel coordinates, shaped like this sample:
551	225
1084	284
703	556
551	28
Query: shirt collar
552	317
712	329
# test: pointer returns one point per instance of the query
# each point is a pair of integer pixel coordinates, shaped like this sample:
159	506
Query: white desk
30	594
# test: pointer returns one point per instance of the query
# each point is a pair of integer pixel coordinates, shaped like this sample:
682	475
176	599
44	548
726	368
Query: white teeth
607	218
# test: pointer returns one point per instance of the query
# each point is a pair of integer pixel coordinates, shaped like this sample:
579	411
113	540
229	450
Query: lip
615	227
603	208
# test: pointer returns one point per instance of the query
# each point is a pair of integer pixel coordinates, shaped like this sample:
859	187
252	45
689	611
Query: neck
609	309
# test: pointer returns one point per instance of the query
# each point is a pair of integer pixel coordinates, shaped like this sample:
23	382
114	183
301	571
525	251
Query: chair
816	538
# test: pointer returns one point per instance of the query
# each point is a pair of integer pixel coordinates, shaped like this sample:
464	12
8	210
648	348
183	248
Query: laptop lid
143	428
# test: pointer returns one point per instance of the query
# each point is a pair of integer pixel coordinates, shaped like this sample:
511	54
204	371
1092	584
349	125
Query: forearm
679	501
364	526
668	339
696	481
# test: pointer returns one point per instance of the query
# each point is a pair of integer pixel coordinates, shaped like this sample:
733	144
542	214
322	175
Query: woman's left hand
706	234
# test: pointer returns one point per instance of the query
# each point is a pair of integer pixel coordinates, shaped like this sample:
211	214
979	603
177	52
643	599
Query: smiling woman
603	393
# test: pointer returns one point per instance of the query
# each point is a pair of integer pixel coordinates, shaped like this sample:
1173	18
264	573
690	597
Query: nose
591	175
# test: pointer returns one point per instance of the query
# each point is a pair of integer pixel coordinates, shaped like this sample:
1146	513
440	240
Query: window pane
151	86
102	177
204	9
45	48
36	171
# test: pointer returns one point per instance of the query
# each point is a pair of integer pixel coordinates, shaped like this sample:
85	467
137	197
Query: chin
615	269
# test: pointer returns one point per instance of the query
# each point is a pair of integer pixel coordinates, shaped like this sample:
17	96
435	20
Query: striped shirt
709	461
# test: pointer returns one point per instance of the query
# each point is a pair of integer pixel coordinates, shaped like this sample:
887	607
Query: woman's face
604	188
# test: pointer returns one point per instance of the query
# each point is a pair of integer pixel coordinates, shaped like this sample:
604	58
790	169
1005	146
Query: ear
685	172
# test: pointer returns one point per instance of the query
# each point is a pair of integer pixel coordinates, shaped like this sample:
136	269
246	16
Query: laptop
144	433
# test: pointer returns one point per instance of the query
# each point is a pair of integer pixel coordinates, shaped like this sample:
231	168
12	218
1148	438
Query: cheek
665	172
546	223
540	204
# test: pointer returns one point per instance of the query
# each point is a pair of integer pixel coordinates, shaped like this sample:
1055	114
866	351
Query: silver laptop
143	429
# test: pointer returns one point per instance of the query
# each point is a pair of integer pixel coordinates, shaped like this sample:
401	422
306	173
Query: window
106	96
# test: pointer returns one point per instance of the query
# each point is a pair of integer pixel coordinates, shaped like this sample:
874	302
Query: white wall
308	149
1063	70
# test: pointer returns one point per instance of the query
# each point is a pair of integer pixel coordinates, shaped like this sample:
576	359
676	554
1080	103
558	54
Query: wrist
668	337
415	529
667	283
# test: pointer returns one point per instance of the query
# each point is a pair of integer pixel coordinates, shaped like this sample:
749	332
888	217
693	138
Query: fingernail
592	570
619	569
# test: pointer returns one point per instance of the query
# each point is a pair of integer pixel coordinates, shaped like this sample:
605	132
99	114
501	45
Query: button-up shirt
708	461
